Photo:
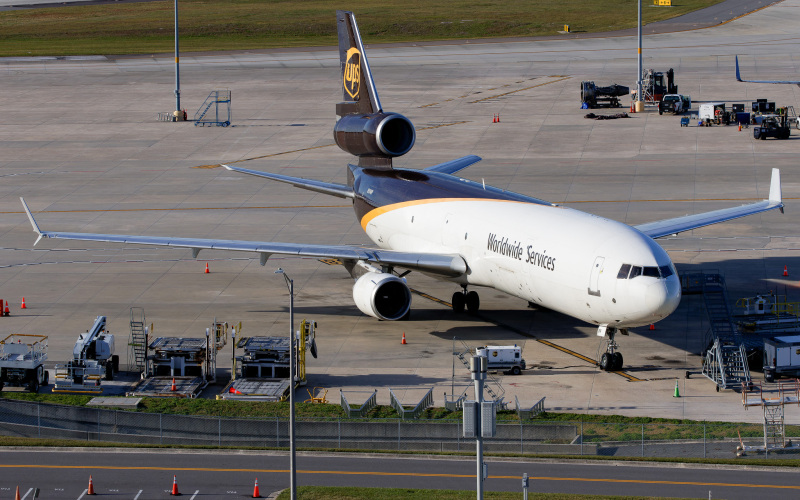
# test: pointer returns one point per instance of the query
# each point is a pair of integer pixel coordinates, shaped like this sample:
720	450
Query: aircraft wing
739	78
453	166
340	190
441	264
680	224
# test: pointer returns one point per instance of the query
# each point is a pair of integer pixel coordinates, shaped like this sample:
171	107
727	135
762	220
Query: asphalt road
124	474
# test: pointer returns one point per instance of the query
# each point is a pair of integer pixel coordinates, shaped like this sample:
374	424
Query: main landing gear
470	300
611	360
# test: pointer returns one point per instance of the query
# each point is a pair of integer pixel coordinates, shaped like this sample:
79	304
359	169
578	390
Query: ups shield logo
352	72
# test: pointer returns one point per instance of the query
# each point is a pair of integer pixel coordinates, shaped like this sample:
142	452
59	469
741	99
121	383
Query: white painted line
137	495
195	494
27	493
83	494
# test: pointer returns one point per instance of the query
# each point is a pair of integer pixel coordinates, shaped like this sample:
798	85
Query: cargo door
594	278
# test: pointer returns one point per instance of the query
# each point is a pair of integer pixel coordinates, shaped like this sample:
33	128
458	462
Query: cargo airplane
432	221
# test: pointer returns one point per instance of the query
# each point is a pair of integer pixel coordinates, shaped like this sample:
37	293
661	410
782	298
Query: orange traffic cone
7	312
632	109
404	339
16	497
256	493
175	491
498	117
740	127
173	388
494	118
652	326
90	490
207	271
785	271
23	304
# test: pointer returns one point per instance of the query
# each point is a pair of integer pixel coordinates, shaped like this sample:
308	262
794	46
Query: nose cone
663	297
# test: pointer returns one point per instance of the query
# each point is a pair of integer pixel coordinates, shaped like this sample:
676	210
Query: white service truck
781	357
503	357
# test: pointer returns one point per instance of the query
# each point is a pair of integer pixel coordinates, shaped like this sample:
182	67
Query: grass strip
347	493
212	25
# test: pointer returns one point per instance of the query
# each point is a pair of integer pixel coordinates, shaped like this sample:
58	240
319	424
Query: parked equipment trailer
22	360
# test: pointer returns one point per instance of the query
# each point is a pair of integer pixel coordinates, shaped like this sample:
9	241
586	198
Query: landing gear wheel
46	378
616	362
605	361
458	302
473	302
33	386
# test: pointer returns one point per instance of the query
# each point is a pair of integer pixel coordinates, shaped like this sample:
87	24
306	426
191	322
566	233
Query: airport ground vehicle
674	103
772	126
654	86
781	357
503	357
22	360
713	112
93	358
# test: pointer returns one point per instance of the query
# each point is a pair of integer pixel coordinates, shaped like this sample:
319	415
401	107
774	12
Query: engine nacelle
382	296
379	134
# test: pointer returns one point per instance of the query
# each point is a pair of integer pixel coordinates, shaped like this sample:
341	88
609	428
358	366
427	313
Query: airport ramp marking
519	90
526	334
217	165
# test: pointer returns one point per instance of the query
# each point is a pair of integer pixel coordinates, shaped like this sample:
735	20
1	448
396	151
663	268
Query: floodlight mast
292	461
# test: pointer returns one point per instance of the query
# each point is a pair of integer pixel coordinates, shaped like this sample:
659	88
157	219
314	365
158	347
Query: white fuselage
560	258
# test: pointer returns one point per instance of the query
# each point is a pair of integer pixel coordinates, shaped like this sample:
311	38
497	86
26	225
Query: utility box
781	357
503	357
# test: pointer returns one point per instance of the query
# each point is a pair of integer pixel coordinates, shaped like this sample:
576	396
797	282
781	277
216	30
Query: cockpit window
636	271
666	272
651	272
623	272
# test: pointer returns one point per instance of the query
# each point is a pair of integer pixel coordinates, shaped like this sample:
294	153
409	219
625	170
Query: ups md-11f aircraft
597	270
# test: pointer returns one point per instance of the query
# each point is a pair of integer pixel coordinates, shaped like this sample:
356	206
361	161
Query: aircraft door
594	279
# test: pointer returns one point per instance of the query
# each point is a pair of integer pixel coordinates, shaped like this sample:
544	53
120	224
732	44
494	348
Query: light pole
292	472
178	115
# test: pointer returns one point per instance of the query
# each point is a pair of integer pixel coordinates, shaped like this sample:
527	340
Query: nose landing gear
611	360
470	300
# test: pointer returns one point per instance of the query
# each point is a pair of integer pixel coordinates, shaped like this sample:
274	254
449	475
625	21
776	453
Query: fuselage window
623	272
636	271
666	272
651	272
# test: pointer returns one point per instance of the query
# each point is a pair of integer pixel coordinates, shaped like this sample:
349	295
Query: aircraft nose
663	297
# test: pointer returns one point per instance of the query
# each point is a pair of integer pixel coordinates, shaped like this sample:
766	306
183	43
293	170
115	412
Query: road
145	475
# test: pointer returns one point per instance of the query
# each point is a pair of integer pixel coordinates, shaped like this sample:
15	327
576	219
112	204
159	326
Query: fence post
398	434
339	422
98	425
277	432
39	418
704	440
642	439
219	431
581	437
160	429
521	449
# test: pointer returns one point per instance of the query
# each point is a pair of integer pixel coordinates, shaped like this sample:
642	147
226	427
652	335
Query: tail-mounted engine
385	135
382	296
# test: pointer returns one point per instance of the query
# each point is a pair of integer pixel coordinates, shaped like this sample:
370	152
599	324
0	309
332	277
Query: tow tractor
93	358
22	360
775	125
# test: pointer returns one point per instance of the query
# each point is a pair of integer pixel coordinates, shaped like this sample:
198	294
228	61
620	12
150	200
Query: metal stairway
725	360
137	342
222	117
464	355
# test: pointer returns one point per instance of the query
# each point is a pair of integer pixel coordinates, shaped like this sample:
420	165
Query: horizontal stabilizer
331	188
453	166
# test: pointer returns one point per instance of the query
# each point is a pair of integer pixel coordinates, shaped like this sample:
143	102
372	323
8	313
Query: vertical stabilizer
358	88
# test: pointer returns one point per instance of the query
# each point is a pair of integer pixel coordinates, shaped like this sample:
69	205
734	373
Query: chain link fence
710	440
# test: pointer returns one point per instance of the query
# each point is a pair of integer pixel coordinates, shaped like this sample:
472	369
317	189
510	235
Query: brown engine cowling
379	134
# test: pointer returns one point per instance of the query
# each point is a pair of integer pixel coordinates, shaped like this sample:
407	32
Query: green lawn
137	28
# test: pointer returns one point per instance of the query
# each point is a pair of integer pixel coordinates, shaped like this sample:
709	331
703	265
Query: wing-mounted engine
382	296
384	135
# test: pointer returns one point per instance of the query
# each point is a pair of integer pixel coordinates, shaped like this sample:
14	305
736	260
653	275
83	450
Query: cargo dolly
22	360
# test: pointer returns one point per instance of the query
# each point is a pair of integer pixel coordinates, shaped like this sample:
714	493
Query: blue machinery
220	101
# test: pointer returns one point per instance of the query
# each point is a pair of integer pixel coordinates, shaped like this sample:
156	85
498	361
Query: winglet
33	221
775	188
738	76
